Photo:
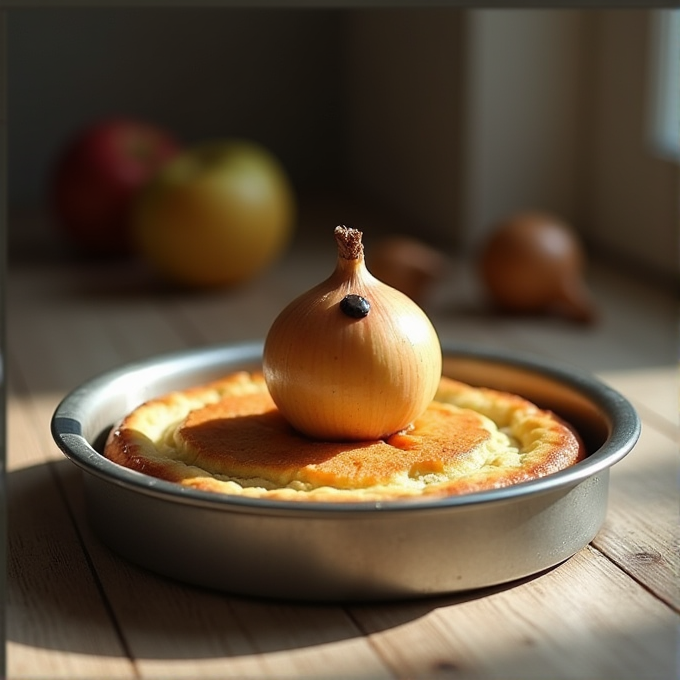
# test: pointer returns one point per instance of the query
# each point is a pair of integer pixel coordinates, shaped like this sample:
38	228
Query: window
665	79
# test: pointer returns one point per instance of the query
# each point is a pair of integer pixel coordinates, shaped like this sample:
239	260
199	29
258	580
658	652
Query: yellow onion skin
338	378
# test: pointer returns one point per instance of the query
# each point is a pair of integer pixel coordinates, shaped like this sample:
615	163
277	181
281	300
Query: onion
407	264
352	358
532	264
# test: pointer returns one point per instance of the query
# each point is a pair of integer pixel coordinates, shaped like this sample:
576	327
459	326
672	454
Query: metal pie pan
338	551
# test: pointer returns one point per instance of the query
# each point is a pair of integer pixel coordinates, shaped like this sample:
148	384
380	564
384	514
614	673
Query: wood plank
25	443
653	392
58	626
49	580
636	328
641	530
177	631
66	337
585	619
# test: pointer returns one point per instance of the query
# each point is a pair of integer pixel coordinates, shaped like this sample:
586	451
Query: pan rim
66	426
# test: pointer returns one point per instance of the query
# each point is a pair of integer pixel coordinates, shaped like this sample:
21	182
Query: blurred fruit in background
98	175
217	215
533	263
407	264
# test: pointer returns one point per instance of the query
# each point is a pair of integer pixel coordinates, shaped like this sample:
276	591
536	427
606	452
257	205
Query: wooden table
75	610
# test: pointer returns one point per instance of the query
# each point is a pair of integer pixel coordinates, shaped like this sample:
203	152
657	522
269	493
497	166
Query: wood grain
76	610
584	619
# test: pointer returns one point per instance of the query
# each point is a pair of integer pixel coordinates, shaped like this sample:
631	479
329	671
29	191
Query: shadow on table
67	591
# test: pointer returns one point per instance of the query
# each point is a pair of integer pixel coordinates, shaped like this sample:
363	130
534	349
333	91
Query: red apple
99	174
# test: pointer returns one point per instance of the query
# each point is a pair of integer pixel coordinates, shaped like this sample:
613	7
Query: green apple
216	215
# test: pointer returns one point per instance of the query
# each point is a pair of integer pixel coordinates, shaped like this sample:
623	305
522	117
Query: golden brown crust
228	437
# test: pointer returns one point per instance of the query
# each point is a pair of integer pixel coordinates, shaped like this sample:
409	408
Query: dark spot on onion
355	306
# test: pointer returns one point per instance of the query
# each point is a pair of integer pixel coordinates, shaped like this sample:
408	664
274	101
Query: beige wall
448	118
202	73
631	194
522	123
459	118
403	84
